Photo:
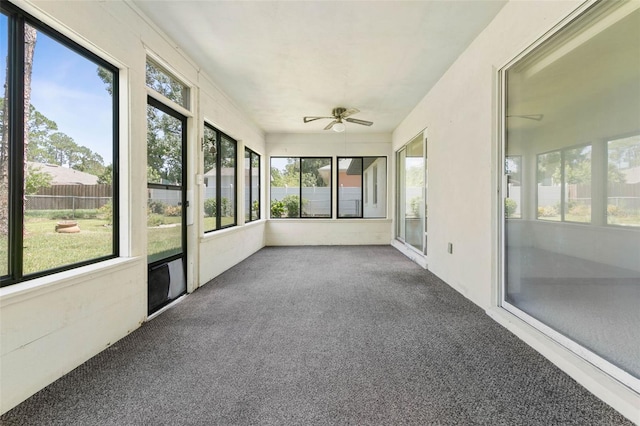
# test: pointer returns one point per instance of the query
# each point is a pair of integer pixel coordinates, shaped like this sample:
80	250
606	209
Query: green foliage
106	177
164	147
510	207
63	214
210	207
255	207
106	212
36	179
277	208
156	207
292	205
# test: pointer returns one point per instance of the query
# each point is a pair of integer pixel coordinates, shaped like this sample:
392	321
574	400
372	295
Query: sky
65	88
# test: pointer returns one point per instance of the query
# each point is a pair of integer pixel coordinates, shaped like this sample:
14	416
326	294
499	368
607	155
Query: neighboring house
63	175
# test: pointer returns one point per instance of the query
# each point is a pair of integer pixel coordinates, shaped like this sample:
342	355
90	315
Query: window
220	177
164	83
58	189
411	219
564	185
572	150
360	186
300	187
251	185
623	181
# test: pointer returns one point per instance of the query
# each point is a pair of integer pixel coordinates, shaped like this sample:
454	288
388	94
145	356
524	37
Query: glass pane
285	187
4	151
350	187
513	202
580	279
68	204
549	186
164	223
255	186
577	184
247	185
227	181
414	203
162	82
401	193
164	148
623	181
316	187
376	204
210	172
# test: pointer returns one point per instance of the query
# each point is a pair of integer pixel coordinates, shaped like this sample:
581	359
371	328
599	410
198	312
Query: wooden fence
70	197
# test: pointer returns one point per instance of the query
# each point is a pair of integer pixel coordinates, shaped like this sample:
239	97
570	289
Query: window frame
219	135
364	186
300	187
16	20
249	184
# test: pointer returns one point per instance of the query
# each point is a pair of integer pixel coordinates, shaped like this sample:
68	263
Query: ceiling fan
339	114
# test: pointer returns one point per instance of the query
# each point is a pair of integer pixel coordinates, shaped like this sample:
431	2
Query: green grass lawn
44	248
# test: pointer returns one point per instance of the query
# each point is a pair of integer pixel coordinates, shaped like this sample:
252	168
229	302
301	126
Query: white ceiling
282	60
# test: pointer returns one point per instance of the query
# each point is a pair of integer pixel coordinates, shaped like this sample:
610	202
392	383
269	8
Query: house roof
64	175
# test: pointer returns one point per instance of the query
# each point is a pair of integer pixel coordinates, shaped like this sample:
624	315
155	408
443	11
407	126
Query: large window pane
567	103
362	183
255	186
316	187
227	181
68	176
219	179
210	179
285	187
251	185
414	202
623	181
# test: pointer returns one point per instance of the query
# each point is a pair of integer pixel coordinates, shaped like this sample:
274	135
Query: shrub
106	212
510	207
547	211
277	208
173	211
156	207
210	207
613	210
292	205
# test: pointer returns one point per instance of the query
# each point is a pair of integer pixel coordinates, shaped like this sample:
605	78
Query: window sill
37	287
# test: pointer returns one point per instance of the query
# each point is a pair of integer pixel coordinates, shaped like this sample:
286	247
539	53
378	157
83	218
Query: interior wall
329	231
459	114
50	325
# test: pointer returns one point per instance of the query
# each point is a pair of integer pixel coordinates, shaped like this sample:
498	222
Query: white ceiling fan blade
308	119
349	111
330	125
363	122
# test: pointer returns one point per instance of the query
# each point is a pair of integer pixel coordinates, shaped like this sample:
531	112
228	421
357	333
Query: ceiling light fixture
339	127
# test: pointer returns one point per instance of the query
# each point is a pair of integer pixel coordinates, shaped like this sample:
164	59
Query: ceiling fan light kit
338	115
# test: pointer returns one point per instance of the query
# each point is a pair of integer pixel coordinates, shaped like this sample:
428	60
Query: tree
36	179
30	37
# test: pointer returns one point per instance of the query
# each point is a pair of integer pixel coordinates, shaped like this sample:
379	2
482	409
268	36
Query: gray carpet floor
318	336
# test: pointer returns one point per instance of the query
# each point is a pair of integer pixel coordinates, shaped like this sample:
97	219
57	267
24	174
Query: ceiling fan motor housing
337	112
